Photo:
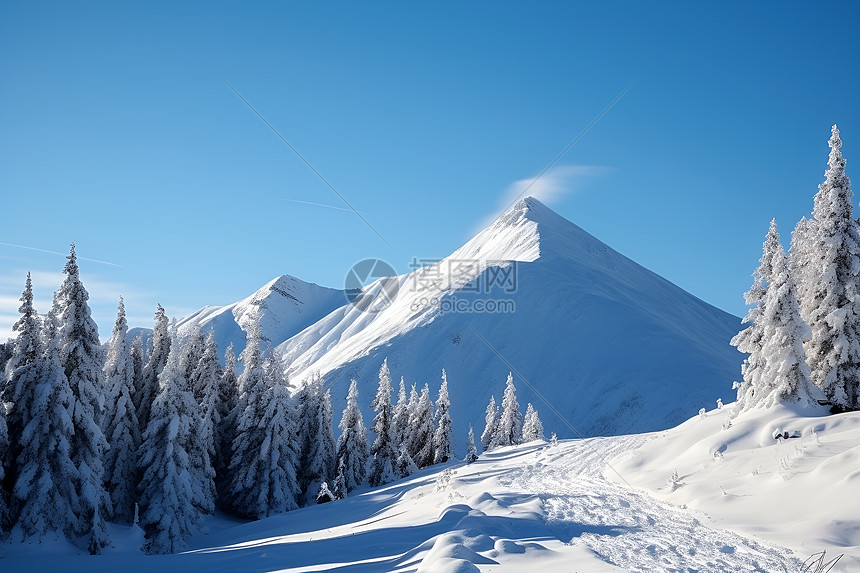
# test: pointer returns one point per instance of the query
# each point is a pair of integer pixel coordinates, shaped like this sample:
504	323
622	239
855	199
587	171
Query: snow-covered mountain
609	345
286	304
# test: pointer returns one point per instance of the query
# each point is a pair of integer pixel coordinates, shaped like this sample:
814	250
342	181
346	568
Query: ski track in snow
627	528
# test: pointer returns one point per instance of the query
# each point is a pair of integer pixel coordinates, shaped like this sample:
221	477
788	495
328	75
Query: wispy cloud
554	185
57	253
549	187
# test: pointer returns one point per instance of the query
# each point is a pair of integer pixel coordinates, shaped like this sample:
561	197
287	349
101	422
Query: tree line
91	434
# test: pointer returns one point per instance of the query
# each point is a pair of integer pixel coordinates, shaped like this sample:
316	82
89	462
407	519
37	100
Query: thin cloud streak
58	253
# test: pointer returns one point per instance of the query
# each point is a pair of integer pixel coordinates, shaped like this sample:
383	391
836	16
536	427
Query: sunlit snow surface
568	507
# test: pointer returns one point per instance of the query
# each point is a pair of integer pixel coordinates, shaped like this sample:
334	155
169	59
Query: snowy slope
287	306
535	507
800	491
614	347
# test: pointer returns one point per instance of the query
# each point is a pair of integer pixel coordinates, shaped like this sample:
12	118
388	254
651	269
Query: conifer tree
442	434
422	423
191	350
510	429
786	377
400	419
382	450
307	400
491	424
352	448
228	398
471	450
322	451
751	339
148	389
207	378
339	490
138	362
831	303
121	426
21	375
45	485
532	426
250	411
81	358
169	508
267	484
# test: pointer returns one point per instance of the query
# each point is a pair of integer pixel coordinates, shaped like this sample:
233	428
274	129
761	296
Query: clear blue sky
118	132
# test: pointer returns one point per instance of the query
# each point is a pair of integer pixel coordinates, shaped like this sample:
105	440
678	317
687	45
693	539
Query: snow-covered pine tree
148	389
45	485
421	422
121	427
751	339
168	508
471	450
403	464
207	377
250	410
409	432
352	448
799	263
510	430
400	420
491	424
5	511
339	489
191	349
138	362
81	357
268	485
21	375
382	450
442	434
322	450
307	408
786	376
228	398
831	303
532	426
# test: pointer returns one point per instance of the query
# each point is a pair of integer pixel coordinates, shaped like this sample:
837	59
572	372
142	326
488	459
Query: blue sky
118	132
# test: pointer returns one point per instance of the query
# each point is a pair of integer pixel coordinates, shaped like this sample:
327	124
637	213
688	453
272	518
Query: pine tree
45	485
190	354
138	362
491	424
146	392
831	304
442	435
308	407
422	423
207	377
471	450
402	434
751	339
267	483
21	376
250	411
510	430
228	399
532	426
81	357
168	508
786	376
5	510
409	432
121	425
322	448
382	450
339	490
352	448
